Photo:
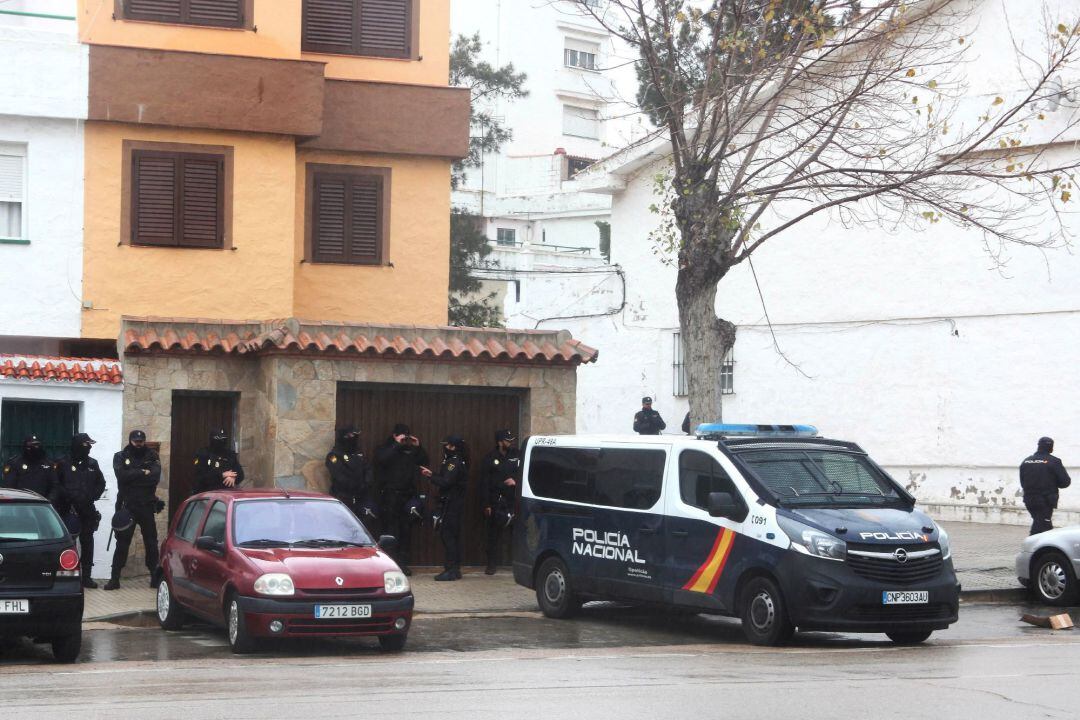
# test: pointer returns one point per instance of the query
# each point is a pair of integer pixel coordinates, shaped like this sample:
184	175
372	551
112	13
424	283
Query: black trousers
494	532
1041	511
143	514
400	525
86	544
450	533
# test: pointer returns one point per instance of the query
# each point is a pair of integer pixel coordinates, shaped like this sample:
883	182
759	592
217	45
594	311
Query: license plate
905	597
342	611
14	607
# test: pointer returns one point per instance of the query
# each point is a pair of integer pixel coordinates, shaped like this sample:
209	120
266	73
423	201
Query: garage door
433	412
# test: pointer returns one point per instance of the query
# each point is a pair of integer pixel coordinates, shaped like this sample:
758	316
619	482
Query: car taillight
69	564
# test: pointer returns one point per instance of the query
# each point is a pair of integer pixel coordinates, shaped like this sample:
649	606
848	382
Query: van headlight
943	543
395	582
274	584
811	541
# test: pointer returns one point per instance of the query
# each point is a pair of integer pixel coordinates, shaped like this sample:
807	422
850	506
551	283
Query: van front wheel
553	591
764	613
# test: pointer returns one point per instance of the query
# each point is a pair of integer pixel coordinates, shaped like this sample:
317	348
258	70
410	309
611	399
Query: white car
1048	565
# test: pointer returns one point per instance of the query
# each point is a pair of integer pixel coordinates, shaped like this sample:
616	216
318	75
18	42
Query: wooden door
194	416
432	413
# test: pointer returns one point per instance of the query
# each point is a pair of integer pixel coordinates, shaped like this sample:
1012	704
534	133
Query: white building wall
44	76
100	415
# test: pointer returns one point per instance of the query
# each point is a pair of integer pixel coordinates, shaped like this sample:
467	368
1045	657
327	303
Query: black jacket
397	467
209	467
494	469
37	475
452	479
134	485
1041	476
648	422
350	474
81	484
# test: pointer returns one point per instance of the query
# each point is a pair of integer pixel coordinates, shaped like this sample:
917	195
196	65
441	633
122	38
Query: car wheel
169	614
236	629
392	643
909	637
67	648
1053	580
764	613
554	593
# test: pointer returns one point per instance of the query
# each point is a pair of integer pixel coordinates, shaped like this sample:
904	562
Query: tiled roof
61	369
187	336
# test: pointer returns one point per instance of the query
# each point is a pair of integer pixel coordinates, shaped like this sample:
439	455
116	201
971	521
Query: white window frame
580	59
501	232
571	108
18	150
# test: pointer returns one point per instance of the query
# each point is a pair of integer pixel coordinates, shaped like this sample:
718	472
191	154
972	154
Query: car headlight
395	582
810	541
943	543
274	584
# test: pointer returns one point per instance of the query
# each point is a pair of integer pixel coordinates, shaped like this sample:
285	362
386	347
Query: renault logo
339	581
900	555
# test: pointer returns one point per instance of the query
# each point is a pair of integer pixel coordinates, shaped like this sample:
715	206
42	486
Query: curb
113	617
1000	595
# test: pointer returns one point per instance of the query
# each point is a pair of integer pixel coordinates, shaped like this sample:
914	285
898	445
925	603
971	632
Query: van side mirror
387	542
209	544
722	504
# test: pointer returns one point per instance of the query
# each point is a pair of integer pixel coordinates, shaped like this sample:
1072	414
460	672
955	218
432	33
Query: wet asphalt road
611	662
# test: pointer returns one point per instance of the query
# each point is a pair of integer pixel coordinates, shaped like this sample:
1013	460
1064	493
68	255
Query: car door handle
680	533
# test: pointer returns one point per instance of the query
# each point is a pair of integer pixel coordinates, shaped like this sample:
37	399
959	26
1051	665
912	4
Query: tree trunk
706	340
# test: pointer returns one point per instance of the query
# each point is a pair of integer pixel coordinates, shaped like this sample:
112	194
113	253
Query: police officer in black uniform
452	480
350	473
216	466
31	470
81	485
646	420
398	462
498	482
1041	476
138	471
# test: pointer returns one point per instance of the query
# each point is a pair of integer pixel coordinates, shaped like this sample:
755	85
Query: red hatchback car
276	563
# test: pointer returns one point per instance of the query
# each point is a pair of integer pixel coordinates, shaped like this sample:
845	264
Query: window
699	475
219	13
348	209
53	422
727	373
579	59
378	28
30	521
506	236
621	478
215	523
189	522
574	165
12	191
581	122
178	199
680	378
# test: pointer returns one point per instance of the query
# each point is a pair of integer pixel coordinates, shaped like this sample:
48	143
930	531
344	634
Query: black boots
448	574
88	582
114	583
490	569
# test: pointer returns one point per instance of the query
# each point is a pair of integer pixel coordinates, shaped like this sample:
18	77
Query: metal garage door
433	412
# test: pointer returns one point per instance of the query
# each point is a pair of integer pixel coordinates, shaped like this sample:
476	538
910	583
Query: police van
771	524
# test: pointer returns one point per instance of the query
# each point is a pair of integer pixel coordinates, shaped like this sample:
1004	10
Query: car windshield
293	521
822	477
21	521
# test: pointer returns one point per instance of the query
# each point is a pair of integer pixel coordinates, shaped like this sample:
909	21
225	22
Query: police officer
452	481
498	481
398	462
350	473
1041	476
138	471
647	421
81	485
31	470
216	466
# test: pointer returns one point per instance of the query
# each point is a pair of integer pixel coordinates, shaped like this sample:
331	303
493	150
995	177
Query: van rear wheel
913	637
554	593
764	613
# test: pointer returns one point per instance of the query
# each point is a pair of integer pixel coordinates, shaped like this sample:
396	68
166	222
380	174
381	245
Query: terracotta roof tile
61	369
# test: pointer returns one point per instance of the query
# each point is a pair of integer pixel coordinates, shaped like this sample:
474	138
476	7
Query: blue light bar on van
712	430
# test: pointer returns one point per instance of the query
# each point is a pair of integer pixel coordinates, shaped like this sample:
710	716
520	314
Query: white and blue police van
771	524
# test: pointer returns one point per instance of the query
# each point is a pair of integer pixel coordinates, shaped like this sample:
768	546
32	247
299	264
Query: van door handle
680	533
646	530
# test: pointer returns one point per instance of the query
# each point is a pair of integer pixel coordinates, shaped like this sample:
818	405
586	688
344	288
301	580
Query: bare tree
779	110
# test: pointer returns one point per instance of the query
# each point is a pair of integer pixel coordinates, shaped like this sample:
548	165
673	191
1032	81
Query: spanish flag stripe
700	570
705	578
726	551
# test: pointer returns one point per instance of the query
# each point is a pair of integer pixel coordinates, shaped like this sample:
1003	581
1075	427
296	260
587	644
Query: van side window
699	475
622	478
189	523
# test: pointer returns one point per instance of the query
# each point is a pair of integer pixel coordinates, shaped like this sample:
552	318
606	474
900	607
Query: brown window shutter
366	226
330	219
226	13
202	200
385	28
154	202
329	26
160	10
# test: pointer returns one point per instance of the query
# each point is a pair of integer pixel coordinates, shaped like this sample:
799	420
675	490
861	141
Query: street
610	662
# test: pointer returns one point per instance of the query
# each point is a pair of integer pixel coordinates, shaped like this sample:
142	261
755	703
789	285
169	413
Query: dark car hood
886	526
358	567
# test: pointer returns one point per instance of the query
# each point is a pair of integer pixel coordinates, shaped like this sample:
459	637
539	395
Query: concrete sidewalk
983	555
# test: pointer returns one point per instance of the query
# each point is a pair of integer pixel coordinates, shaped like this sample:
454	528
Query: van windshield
822	477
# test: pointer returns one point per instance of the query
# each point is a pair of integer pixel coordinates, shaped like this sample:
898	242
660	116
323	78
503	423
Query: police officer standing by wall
138	471
1041	476
452	481
216	466
81	485
350	473
31	470
398	462
498	482
647	421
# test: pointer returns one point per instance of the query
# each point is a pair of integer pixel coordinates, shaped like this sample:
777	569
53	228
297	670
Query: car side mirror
209	544
722	504
388	542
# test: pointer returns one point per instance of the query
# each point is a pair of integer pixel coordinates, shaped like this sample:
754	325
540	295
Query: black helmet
122	520
72	522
